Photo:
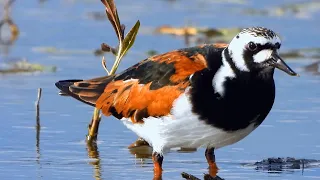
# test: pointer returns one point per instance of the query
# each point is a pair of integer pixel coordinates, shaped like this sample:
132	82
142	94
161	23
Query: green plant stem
125	43
96	118
117	61
94	126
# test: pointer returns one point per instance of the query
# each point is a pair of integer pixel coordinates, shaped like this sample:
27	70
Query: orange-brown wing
150	87
87	91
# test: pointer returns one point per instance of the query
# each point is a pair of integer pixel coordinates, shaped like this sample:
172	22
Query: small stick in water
37	104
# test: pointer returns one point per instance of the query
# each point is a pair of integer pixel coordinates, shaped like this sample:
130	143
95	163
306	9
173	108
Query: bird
209	95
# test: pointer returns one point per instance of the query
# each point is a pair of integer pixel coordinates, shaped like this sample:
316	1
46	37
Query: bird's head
256	50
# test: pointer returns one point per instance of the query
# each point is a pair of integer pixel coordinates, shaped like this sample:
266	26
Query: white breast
184	129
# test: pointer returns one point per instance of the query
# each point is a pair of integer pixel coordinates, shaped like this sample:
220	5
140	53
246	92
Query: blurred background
43	41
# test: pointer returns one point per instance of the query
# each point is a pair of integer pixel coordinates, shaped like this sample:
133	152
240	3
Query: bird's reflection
141	153
144	152
9	31
93	154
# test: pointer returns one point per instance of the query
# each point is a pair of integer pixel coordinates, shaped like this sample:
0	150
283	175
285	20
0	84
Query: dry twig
37	103
38	126
104	65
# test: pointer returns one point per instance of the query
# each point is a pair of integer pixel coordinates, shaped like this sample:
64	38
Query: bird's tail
87	91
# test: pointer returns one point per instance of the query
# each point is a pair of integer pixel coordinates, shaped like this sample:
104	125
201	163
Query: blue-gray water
291	129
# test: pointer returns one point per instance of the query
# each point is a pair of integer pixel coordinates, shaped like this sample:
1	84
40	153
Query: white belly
184	129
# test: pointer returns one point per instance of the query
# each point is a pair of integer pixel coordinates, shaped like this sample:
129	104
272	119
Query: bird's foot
213	169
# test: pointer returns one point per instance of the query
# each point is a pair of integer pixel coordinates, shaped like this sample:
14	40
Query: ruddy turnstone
206	96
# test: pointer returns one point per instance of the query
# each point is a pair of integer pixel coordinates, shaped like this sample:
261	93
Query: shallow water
291	129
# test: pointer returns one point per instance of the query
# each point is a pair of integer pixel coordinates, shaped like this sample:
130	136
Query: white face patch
238	45
262	55
224	72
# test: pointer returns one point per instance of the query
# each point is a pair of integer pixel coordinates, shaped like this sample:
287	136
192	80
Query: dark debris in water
152	52
97	16
278	165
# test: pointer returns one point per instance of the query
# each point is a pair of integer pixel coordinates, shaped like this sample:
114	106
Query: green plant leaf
129	39
125	46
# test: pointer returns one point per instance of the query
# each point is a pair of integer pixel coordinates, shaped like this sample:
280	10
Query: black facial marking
237	36
257	68
228	56
242	101
257	50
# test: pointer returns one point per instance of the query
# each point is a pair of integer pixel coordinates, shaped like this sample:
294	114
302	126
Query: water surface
291	129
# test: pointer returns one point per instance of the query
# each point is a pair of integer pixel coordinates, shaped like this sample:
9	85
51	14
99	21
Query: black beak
277	62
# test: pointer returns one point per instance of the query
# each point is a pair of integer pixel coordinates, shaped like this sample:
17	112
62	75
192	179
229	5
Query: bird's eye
277	45
252	46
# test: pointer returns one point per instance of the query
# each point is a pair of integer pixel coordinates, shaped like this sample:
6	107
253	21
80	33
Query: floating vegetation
99	16
313	68
152	52
61	52
177	31
23	66
298	10
57	51
190	30
199	35
303	53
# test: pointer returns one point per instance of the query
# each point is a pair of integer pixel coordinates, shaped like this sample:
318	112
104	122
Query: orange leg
211	159
157	166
